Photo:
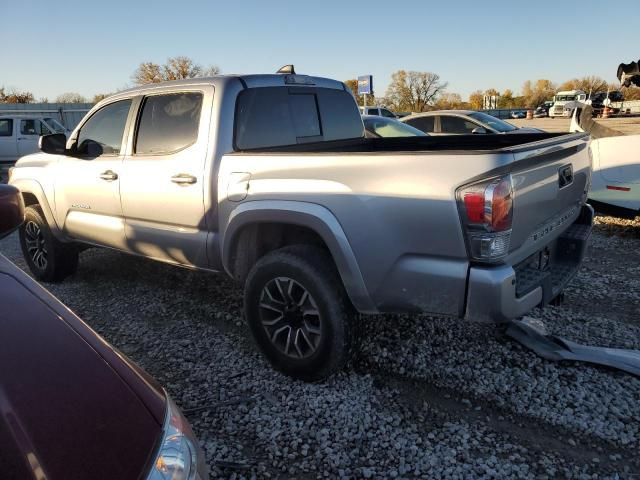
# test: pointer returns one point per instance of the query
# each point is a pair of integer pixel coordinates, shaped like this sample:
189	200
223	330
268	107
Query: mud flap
531	334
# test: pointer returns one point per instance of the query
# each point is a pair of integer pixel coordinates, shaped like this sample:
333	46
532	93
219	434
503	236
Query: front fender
33	187
309	215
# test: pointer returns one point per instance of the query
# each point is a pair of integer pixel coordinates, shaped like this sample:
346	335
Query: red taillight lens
487	213
489	205
501	206
474	206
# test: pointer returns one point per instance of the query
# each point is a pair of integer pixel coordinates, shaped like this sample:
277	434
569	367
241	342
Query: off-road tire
57	260
308	268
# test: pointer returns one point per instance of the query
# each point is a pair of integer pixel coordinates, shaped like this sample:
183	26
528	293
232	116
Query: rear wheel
299	313
49	259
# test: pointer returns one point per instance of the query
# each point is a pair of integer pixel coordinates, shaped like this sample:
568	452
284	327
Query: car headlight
179	457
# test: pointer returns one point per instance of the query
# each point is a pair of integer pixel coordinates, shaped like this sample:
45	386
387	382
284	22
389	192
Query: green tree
414	91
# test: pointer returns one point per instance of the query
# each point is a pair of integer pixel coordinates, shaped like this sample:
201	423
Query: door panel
8	144
162	186
29	131
88	185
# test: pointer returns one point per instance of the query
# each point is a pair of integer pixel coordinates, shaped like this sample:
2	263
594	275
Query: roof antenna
287	69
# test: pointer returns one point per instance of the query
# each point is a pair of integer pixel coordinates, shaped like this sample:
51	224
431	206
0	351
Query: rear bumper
501	293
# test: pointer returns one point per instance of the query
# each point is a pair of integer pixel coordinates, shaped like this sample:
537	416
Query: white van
19	134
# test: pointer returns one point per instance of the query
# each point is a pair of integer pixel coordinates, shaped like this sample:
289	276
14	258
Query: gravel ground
427	398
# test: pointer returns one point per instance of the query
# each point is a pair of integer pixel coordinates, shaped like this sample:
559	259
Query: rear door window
456	125
424	124
6	127
277	116
374	111
168	123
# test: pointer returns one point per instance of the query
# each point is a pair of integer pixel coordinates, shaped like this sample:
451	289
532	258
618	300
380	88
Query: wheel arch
33	194
314	223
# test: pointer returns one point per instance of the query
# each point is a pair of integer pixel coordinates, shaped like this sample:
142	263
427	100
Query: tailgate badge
565	175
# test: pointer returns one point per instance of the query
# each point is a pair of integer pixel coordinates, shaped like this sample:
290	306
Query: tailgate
550	181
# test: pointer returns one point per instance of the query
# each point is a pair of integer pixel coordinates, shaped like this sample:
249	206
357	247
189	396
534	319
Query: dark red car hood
70	405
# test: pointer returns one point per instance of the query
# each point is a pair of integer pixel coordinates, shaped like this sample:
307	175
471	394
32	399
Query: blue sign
365	84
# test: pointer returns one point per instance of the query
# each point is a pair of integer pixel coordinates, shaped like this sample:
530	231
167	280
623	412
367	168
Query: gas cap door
238	186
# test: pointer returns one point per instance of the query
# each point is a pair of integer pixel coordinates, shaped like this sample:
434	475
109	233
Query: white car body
615	182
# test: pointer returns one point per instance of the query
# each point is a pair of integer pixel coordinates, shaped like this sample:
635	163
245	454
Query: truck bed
420	144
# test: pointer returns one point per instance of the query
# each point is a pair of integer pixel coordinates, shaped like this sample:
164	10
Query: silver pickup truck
269	178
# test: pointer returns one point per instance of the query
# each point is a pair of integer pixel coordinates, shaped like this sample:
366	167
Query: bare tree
14	96
476	100
588	84
414	91
147	72
70	97
352	85
536	93
176	68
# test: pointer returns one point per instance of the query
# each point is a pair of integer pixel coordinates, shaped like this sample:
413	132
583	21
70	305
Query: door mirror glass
11	209
479	131
55	143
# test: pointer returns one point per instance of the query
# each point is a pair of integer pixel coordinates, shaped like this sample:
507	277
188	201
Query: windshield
388	127
55	125
565	98
492	122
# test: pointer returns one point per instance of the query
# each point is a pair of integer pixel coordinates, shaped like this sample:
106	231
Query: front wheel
49	259
298	312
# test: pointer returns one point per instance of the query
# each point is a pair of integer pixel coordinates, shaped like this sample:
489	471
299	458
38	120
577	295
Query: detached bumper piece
553	269
556	348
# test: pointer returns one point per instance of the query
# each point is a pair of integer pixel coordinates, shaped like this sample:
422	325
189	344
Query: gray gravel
427	398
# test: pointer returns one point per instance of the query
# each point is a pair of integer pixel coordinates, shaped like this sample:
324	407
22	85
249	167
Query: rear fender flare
309	215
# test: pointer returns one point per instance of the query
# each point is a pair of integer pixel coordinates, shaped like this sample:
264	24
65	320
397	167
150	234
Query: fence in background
69	114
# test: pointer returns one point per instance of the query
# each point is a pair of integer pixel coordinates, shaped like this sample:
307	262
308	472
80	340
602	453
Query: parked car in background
19	136
518	114
378	127
269	178
381	111
540	112
462	122
72	406
615	181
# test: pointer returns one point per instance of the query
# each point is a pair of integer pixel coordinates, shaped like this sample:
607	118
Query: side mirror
55	143
11	209
479	131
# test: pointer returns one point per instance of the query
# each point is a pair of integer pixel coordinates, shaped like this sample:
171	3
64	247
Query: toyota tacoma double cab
270	179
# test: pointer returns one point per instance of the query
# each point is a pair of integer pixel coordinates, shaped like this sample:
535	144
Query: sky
94	47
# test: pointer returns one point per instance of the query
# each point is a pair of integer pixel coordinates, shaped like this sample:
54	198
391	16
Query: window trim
125	132
10	121
138	119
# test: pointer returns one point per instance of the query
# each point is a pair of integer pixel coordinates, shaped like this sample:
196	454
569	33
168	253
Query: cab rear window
280	116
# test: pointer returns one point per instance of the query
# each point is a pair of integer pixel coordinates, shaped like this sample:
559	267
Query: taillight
487	214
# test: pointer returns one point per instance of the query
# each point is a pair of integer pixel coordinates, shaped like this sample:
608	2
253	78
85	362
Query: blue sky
94	47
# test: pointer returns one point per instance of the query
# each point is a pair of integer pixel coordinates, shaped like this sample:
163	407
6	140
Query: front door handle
184	179
109	175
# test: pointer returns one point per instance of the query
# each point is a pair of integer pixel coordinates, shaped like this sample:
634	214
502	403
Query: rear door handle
184	179
109	176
